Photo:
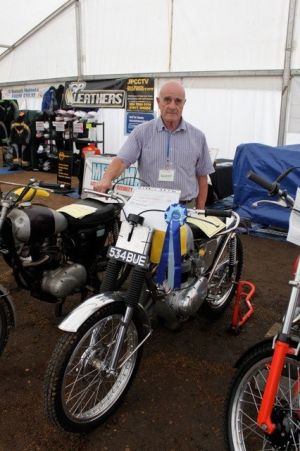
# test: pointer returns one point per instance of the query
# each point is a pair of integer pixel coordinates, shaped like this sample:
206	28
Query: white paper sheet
152	199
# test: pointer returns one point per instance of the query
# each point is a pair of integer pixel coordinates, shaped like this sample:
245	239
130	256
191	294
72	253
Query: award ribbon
170	260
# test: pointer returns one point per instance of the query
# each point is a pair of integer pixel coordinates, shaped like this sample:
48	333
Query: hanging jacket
49	102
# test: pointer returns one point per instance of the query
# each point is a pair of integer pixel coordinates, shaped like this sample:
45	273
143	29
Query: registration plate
126	256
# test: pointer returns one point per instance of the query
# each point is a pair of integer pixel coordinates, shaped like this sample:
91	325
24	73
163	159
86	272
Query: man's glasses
178	101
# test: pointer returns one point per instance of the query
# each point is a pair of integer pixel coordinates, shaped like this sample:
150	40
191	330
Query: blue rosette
170	263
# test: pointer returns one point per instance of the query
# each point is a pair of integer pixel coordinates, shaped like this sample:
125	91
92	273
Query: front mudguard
7	300
77	317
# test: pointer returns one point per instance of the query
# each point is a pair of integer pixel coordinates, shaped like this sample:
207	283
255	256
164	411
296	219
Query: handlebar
110	195
35	184
272	188
219	213
52	186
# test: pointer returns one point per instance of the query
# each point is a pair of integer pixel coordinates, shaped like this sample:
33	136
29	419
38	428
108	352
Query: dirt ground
176	401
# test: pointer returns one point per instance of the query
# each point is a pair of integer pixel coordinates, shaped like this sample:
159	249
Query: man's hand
113	171
103	185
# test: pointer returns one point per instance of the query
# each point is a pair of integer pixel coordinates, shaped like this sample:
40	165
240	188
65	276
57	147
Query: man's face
171	102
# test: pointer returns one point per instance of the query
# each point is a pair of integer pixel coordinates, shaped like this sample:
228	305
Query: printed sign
64	168
96	94
134	119
94	168
134	94
140	94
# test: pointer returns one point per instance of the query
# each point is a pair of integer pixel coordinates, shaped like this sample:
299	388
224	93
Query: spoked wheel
244	401
7	318
4	325
80	389
222	285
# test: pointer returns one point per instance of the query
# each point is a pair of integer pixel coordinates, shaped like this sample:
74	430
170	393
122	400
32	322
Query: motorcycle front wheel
244	400
222	285
80	391
4	325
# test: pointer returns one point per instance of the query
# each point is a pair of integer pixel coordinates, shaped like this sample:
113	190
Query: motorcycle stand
244	292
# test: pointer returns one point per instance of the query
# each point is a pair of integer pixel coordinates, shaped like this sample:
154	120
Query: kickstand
244	292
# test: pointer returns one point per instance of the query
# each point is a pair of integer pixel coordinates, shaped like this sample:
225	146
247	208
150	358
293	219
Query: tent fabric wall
230	35
18	18
233	110
293	119
295	60
49	52
199	40
125	37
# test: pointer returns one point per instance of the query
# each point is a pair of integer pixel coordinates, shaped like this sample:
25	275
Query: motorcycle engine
45	271
187	300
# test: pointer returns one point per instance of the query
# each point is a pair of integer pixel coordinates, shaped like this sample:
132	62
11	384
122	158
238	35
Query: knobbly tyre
263	403
53	254
98	355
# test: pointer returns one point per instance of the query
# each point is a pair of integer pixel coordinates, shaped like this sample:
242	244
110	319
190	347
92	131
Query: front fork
131	300
281	350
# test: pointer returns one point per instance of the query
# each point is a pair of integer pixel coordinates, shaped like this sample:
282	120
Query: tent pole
171	36
286	77
78	39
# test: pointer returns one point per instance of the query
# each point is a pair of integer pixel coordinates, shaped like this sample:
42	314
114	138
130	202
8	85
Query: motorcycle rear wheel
244	399
222	285
79	391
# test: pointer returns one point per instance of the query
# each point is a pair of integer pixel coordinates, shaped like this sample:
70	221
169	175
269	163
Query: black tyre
244	400
222	285
4	325
79	391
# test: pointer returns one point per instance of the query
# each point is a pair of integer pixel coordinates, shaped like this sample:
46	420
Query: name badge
166	175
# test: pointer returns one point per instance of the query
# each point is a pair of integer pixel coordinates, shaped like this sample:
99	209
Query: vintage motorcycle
53	254
97	357
263	402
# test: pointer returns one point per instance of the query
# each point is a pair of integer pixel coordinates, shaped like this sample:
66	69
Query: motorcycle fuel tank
36	222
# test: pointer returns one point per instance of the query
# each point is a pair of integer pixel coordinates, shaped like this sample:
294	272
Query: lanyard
168	146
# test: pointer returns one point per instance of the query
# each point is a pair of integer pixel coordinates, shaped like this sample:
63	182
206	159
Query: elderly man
171	153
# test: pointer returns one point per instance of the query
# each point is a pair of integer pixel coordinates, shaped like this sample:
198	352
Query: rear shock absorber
232	253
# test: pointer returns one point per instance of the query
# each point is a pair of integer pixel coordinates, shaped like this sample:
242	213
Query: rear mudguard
4	297
77	317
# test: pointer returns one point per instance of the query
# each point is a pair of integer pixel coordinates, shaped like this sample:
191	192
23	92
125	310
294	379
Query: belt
185	202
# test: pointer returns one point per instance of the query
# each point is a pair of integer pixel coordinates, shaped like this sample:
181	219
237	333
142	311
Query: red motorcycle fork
264	414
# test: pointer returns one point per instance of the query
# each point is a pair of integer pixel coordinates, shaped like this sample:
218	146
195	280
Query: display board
94	168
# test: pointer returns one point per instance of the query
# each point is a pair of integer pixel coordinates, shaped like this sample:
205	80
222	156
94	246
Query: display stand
59	142
81	141
65	157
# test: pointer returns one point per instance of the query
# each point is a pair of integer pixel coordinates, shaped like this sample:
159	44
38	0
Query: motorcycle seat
104	214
